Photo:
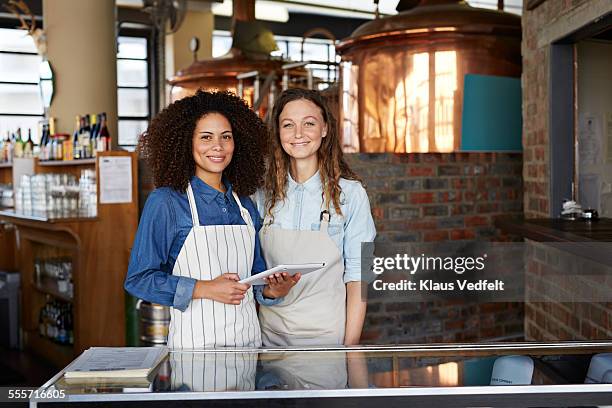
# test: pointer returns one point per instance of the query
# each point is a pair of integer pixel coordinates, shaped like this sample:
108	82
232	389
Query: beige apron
306	371
209	252
314	311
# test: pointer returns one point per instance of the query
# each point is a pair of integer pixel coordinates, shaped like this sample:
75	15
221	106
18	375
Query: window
133	95
221	43
20	99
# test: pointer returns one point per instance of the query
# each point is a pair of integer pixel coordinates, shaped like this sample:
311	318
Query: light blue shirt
302	208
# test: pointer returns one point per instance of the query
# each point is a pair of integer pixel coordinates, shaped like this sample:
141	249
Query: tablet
291	269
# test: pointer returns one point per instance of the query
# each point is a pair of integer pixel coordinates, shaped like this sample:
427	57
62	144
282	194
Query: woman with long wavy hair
315	209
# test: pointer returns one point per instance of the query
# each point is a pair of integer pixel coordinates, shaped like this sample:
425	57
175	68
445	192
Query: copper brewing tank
221	73
402	76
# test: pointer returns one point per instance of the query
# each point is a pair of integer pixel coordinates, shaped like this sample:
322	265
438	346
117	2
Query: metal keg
153	323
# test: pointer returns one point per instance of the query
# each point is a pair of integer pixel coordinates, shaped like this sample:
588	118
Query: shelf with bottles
49	306
52	287
53	272
16	145
97	248
55	321
90	137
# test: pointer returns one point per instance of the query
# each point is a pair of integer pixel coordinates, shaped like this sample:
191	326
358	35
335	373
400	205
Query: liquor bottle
86	138
52	148
43	142
67	152
2	154
36	147
5	152
18	147
95	132
62	335
55	148
11	148
46	145
48	142
60	147
5	148
76	151
42	317
104	136
28	145
48	322
80	145
69	325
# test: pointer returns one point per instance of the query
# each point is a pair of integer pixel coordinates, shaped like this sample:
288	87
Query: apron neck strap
192	206
243	211
194	210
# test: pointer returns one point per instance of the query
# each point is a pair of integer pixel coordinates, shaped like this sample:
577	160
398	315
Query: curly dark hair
167	143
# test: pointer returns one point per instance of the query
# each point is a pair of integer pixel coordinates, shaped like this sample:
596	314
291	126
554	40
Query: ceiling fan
166	15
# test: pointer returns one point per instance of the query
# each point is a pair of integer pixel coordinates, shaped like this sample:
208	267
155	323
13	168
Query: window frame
283	41
40	116
145	34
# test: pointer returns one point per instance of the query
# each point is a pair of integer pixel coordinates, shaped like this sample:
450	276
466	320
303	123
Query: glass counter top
460	370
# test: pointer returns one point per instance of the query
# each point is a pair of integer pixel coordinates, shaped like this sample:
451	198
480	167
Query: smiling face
213	146
302	128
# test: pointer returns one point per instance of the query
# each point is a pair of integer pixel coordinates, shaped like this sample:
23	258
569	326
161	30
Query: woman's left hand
280	284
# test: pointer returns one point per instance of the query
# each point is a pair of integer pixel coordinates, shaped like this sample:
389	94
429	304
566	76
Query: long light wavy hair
332	165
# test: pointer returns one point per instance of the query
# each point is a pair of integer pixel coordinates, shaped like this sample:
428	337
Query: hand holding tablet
291	269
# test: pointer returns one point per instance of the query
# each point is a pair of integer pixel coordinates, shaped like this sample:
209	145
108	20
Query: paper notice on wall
115	180
590	140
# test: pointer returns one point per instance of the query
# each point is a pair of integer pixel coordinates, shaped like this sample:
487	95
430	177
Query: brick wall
556	275
435	197
418	197
550	320
535	84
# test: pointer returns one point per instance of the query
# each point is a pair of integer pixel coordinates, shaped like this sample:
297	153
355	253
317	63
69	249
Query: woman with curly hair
197	235
315	209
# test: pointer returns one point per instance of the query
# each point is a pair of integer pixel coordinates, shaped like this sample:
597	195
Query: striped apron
208	252
216	371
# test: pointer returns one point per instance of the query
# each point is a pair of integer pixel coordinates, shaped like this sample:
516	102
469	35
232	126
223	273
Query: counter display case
537	374
72	267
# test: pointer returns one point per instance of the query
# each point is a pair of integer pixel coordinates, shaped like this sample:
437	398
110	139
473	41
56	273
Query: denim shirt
301	210
164	226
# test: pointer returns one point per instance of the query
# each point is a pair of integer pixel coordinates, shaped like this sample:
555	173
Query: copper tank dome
403	75
221	73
